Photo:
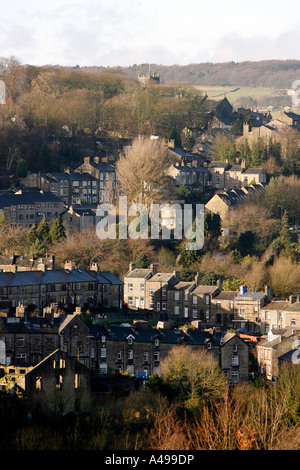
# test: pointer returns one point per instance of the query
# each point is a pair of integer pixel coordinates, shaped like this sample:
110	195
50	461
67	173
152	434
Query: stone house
277	343
67	288
281	314
135	281
105	173
222	306
59	381
234	358
70	187
25	208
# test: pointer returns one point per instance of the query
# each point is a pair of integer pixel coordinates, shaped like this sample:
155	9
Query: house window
164	305
235	360
142	302
186	312
59	382
176	295
207	299
103	368
20	341
242	310
146	356
158	306
103	339
130	340
176	310
130	355
164	292
235	348
156	356
130	287
119	355
156	342
234	376
207	314
195	300
142	288
103	352
186	296
293	321
62	363
77	381
195	314
130	300
38	383
151	291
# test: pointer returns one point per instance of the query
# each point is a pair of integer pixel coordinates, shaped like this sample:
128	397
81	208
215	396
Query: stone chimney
131	266
95	267
268	293
21	312
48	312
70	265
197	279
243	164
87	160
96	160
246	129
153	268
292	299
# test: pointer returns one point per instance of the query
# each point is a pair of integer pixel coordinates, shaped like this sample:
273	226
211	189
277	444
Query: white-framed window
195	300
158	306
156	356
293	321
151	291
164	305
186	296
207	299
119	355
164	292
142	288
103	368
103	339
142	302
130	287
156	342
130	355
146	356
186	312
130	340
176	295
235	376
207	314
176	310
195	314
235	360
235	348
103	352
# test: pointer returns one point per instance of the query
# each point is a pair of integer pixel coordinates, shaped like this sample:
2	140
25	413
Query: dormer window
156	342
130	340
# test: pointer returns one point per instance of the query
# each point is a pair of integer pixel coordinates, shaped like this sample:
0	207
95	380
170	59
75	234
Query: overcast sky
127	32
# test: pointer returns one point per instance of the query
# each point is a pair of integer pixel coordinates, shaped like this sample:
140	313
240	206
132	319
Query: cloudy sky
127	32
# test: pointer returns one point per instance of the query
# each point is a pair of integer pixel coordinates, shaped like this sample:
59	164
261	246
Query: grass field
234	93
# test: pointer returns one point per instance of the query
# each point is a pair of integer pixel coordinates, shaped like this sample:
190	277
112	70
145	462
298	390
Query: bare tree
143	172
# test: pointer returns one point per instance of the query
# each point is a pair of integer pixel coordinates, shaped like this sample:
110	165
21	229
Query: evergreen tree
141	261
57	232
32	235
43	230
285	237
22	168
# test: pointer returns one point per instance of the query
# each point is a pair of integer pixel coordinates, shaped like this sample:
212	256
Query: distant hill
268	73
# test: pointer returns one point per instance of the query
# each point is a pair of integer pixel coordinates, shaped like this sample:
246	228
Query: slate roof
25	278
251	296
30	197
138	273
